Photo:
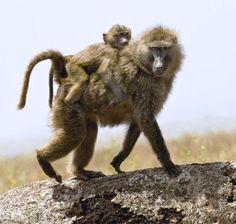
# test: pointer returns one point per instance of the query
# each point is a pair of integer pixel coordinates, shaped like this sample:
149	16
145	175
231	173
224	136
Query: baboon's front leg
129	142
83	154
80	81
152	131
73	98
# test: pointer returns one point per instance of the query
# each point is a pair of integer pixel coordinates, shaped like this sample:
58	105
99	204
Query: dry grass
192	148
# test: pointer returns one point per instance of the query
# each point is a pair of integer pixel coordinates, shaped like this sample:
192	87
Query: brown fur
145	95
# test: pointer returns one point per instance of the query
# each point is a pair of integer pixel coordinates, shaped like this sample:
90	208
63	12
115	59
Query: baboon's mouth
159	72
123	45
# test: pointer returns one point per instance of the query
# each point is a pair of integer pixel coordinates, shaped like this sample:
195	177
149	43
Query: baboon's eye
154	50
151	57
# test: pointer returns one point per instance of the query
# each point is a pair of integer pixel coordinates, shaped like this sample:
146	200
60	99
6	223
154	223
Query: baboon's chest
150	94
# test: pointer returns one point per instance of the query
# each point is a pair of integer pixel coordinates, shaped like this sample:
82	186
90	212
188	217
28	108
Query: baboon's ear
175	40
104	37
129	30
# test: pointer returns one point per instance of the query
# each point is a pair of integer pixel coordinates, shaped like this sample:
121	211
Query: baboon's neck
138	57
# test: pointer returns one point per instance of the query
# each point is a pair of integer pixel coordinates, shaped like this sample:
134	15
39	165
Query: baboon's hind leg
129	142
83	154
64	141
48	169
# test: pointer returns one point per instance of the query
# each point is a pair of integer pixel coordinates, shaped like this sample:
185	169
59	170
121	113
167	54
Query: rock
202	193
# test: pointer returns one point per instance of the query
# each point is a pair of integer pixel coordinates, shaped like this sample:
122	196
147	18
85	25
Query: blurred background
198	120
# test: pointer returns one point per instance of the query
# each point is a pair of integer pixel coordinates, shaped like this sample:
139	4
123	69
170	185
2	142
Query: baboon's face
122	39
117	40
159	59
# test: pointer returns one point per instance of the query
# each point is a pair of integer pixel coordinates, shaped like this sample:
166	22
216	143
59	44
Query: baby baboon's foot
171	168
119	100
48	169
116	166
74	105
88	174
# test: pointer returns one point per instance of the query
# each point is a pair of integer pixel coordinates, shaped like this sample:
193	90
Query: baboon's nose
123	41
158	63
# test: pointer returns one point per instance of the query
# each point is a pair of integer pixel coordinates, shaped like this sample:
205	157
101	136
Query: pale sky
204	89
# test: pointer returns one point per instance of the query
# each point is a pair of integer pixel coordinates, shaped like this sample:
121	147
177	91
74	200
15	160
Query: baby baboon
98	56
79	67
145	73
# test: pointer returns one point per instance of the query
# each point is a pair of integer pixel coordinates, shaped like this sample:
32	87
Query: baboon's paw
172	169
89	174
116	166
58	178
48	169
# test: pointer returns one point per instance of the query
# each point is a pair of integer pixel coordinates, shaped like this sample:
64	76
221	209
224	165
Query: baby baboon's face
117	37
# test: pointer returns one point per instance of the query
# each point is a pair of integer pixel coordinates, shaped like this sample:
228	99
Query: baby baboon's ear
105	37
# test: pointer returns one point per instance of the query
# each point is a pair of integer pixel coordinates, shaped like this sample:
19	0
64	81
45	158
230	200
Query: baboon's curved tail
51	75
58	61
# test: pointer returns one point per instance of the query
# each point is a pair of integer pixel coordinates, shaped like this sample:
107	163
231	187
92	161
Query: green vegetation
192	148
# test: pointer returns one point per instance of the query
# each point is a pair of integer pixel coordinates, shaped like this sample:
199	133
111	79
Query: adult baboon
145	73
